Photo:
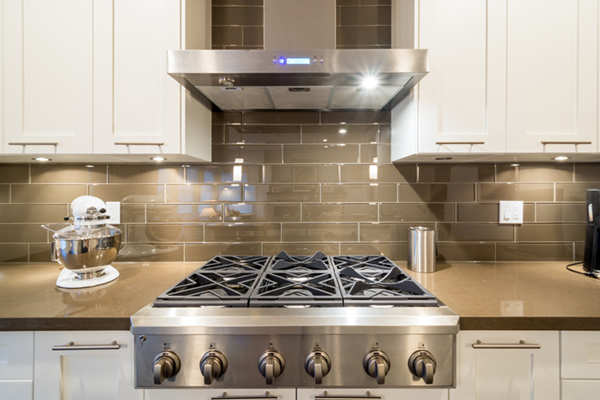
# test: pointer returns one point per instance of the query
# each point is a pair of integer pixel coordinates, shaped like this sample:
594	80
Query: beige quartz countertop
494	296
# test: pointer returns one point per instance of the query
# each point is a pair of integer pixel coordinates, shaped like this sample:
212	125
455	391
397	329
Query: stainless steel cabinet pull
139	143
267	396
440	143
72	346
33	144
575	143
327	397
520	345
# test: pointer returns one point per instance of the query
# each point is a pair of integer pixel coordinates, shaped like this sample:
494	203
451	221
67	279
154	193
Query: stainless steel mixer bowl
87	257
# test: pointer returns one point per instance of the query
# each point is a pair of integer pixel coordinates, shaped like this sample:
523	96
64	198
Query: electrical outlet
511	212
113	209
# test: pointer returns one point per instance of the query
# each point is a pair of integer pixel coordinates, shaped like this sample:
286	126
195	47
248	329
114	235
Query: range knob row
271	364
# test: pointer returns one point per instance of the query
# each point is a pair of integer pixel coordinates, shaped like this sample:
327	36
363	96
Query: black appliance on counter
591	255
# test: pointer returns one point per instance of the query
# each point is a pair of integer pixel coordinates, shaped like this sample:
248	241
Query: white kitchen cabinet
84	374
580	390
213	394
580	365
384	394
47	76
506	373
552	76
16	365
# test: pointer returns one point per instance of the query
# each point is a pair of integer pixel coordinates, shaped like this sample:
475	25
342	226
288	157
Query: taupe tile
39	253
394	251
456	173
40	193
237	2
474	232
320	153
587	172
245	212
184	213
242	232
347	3
133	213
22	233
356	117
375	2
277	193
218	133
281	117
375	153
250	153
465	251
515	191
4	193
301	173
214	173
551	232
560	212
534	173
573	191
150	252
339	212
381	15
39	213
68	173
327	232
355	193
385	134
385	173
579	251
383	232
143	193
200	193
236	134
206	251
477	212
145	174
241	47
219	117
301	249
534	252
406	212
14	173
363	35
436	192
14	253
353	134
253	36
155	233
227	35
247	16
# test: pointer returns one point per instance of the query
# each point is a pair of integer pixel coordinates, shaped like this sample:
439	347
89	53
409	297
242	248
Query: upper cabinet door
47	80
552	75
462	99
135	101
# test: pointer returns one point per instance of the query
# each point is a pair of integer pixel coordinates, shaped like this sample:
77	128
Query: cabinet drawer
383	394
580	390
16	356
16	390
580	355
209	394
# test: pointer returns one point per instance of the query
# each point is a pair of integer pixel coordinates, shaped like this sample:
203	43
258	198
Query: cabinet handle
441	143
72	346
327	397
545	142
267	396
520	345
139	143
33	144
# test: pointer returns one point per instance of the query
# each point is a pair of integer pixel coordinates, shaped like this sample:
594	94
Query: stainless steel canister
421	249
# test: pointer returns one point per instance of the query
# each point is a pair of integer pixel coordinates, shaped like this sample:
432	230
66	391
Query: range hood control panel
281	60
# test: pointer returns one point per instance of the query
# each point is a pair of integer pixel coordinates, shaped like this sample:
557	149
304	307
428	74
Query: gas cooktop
297	281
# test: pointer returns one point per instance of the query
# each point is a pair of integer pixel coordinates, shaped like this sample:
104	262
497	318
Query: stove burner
317	261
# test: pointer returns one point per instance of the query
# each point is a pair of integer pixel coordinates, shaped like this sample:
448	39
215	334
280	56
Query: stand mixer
88	247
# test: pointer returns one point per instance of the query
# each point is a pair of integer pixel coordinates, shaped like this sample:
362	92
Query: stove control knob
212	365
166	365
271	365
422	365
317	364
377	364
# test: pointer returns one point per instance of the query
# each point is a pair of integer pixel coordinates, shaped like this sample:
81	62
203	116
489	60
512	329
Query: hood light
226	82
342	130
561	158
369	83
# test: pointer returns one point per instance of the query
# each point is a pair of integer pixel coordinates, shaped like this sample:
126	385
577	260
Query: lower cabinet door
212	394
375	394
580	389
77	372
503	368
16	390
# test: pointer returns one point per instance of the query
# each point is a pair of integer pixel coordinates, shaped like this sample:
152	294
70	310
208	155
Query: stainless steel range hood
298	79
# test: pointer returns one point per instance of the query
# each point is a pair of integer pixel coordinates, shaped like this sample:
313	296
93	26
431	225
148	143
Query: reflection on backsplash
283	181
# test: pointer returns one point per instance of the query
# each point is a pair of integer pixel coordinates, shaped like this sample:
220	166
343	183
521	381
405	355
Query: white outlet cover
511	212
113	209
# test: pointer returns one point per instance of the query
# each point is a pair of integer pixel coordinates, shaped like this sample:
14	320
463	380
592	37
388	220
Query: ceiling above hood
299	79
